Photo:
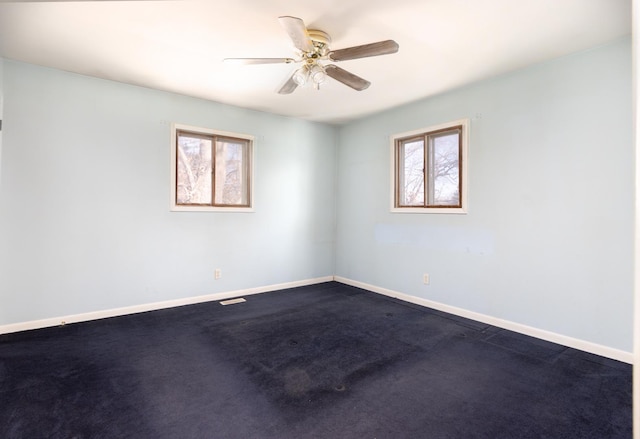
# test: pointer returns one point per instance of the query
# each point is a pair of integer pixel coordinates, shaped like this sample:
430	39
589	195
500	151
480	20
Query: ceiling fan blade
373	49
289	86
248	61
297	32
347	78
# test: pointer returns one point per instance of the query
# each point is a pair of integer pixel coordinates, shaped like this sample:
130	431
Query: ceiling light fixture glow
301	76
317	73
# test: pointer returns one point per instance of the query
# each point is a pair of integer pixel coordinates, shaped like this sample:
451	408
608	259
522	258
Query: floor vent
232	301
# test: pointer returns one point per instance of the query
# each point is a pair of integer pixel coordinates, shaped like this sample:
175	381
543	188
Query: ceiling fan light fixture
301	76
317	73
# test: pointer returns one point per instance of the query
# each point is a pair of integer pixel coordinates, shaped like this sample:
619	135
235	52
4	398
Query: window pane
232	179
445	169
194	170
412	173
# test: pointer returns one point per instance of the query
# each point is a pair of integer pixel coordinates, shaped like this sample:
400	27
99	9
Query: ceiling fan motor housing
321	41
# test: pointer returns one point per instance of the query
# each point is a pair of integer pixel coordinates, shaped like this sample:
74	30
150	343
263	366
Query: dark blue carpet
323	361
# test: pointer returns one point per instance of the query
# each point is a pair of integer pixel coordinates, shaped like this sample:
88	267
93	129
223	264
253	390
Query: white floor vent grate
232	301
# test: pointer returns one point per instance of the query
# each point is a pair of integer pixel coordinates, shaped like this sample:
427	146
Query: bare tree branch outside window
212	170
194	170
428	169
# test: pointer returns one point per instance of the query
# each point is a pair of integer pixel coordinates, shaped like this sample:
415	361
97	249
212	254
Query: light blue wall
547	242
84	199
548	238
1	107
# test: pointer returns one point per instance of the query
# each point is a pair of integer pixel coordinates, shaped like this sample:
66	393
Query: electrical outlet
425	279
218	273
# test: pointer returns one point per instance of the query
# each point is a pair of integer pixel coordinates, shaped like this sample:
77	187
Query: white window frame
175	127
464	172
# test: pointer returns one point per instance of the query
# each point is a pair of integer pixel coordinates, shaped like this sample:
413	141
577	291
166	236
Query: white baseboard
95	315
582	345
604	351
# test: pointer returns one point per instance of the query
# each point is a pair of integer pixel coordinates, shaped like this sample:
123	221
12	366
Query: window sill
423	210
211	209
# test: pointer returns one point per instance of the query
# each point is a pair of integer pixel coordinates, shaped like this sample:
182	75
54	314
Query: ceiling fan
312	47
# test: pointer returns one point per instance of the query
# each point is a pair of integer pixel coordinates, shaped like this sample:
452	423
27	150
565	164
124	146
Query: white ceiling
179	46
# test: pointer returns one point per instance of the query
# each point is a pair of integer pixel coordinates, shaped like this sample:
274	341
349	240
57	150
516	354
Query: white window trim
464	173
175	127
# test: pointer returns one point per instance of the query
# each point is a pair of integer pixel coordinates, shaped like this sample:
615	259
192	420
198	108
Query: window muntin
211	170
429	169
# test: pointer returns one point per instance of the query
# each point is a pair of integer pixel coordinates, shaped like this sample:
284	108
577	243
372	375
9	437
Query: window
429	169
211	170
